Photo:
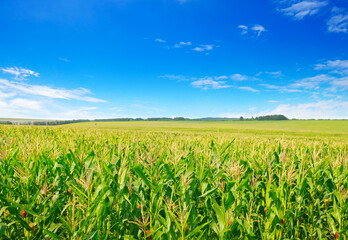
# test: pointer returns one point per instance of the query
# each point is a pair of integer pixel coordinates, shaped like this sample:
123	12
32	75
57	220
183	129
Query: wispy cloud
276	74
244	28
317	110
19	73
221	77
50	92
312	82
160	40
204	48
335	66
256	29
20	108
280	88
26	103
181	44
4	95
215	82
300	10
64	59
341	83
240	77
209	83
338	23
248	89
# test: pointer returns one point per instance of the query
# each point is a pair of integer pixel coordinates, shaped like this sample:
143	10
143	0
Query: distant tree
271	117
241	118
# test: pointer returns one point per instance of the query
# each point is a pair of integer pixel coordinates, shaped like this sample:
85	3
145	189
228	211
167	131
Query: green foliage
87	183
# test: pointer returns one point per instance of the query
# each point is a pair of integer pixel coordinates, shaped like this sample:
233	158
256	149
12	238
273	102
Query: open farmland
175	180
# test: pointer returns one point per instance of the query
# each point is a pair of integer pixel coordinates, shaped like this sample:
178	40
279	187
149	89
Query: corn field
85	183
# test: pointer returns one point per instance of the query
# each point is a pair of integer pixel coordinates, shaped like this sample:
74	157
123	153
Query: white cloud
273	101
181	44
275	74
26	103
338	23
221	78
160	40
336	66
248	89
341	83
21	108
4	95
317	110
213	82
20	73
209	83
204	48
238	77
312	82
281	88
64	59
258	29
49	92
244	29
301	9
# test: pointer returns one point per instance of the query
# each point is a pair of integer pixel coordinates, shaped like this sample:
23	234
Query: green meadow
175	180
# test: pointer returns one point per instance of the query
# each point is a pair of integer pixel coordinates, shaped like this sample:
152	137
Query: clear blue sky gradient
123	58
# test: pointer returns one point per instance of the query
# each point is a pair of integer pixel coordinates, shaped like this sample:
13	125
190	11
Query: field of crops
158	181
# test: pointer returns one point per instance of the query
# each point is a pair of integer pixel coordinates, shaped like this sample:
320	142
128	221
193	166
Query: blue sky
71	59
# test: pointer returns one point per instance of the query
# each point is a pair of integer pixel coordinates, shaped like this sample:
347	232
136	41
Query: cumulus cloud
299	10
19	73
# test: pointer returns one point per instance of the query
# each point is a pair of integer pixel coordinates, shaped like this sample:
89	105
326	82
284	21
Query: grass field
175	180
294	128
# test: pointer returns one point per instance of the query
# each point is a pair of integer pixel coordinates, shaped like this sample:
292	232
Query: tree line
62	122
